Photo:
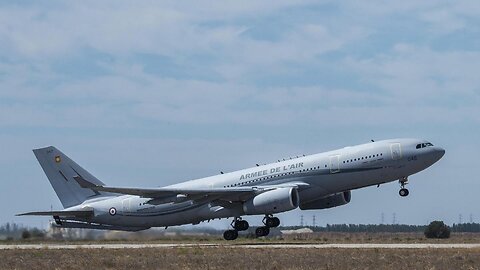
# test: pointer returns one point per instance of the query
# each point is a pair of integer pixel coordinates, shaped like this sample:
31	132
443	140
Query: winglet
84	183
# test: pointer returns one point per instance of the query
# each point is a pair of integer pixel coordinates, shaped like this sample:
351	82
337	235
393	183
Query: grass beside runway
239	258
306	238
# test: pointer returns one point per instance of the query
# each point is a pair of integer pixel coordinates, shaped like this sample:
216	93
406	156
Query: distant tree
26	234
437	229
37	233
466	227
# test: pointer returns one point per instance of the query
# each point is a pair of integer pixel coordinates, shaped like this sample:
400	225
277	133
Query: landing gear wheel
241	225
262	231
272	222
403	192
230	235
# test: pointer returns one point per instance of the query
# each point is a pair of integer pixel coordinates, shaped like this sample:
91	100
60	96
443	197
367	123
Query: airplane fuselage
315	176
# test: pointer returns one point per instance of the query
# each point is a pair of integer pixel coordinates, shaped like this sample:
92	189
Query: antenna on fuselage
257	164
372	140
221	172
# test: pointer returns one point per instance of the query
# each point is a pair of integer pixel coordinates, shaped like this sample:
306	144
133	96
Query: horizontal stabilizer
77	213
95	226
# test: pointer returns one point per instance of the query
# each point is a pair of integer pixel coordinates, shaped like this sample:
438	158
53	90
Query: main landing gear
270	222
238	225
242	225
403	191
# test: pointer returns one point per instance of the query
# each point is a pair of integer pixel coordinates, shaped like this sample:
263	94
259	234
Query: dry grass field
384	238
240	258
259	258
317	238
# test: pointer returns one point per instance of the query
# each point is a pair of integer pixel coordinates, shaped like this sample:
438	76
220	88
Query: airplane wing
228	194
160	192
76	213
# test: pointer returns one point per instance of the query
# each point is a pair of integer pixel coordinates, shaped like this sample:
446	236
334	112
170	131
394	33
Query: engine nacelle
272	201
328	202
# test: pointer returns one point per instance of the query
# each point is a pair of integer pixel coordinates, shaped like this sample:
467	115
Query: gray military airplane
311	182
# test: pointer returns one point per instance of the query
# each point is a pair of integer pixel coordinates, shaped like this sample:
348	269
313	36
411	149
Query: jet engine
272	201
328	202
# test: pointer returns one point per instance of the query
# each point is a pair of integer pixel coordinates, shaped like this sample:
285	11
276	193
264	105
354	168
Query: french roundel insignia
112	211
58	159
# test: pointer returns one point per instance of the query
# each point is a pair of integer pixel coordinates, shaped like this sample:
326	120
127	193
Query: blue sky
149	94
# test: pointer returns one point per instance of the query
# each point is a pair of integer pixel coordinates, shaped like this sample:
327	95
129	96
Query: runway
247	246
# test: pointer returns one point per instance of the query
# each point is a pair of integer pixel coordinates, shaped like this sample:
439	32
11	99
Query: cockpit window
423	145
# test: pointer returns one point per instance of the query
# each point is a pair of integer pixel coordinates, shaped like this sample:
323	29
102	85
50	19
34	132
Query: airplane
310	182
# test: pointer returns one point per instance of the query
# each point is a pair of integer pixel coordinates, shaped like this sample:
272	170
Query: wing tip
85	183
43	148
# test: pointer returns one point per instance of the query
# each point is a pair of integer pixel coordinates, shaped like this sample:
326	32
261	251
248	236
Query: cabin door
334	164
396	149
126	205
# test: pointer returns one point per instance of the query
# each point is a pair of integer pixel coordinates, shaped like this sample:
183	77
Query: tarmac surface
250	246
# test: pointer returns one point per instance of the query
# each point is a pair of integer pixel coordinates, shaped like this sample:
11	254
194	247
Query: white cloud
421	70
389	78
120	27
444	20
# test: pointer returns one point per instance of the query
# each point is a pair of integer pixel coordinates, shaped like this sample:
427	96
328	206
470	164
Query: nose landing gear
403	191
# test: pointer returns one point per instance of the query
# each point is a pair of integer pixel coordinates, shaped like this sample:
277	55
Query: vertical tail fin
61	171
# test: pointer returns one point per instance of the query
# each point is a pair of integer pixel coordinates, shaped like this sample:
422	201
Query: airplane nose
439	152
